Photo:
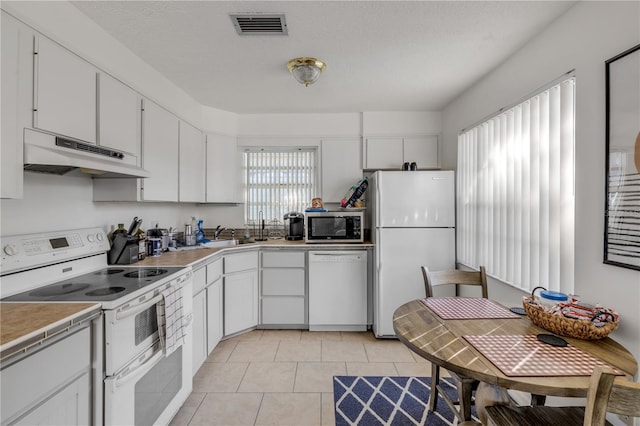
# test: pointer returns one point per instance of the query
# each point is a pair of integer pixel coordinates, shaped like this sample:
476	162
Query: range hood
46	153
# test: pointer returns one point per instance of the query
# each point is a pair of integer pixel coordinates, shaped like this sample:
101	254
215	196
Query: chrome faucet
217	232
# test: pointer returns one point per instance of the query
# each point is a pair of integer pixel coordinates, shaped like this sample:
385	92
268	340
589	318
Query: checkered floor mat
388	401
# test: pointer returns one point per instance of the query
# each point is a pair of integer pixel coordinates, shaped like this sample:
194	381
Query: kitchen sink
210	244
220	243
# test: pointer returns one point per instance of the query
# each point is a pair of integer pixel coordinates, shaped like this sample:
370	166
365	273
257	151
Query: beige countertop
193	256
22	323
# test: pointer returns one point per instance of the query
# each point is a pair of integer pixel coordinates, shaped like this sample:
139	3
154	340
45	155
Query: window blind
279	181
515	192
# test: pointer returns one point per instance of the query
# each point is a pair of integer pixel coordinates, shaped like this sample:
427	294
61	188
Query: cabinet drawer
283	259
281	282
283	310
214	271
240	262
199	280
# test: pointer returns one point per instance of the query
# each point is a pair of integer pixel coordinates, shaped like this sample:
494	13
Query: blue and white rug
389	401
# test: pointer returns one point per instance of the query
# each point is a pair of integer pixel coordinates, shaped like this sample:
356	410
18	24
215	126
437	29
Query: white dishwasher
338	290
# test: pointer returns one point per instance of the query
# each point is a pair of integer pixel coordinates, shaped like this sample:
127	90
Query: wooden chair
464	385
621	397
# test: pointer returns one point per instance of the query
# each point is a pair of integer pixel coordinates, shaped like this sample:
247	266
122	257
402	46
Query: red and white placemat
524	355
467	308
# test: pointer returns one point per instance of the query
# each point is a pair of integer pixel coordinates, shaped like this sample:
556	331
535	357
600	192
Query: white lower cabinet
283	289
51	386
199	318
240	292
215	317
215	328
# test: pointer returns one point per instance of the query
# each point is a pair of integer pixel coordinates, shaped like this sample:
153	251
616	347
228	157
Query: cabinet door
214	314
199	330
159	153
423	151
118	116
240	262
192	163
222	169
240	301
17	102
383	153
341	168
282	310
65	92
70	406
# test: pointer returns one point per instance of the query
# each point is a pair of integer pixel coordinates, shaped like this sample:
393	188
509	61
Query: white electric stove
139	383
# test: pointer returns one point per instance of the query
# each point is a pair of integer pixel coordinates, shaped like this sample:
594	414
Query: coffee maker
295	227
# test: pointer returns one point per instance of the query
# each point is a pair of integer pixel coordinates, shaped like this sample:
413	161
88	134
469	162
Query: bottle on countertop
119	230
142	244
200	232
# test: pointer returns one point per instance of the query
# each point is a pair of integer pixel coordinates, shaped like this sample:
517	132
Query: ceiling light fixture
306	70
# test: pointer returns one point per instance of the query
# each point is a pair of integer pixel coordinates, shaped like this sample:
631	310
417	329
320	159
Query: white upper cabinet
17	102
160	152
383	153
223	165
118	116
391	152
65	92
423	151
341	167
192	164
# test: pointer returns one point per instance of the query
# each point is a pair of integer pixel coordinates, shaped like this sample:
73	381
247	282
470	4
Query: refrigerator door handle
377	214
379	251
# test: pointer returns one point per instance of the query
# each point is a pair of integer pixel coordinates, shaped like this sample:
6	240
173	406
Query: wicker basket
580	329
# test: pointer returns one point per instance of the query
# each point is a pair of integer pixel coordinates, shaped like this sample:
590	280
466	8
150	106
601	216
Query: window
278	181
515	192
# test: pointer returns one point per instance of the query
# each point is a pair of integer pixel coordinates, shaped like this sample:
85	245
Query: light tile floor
285	377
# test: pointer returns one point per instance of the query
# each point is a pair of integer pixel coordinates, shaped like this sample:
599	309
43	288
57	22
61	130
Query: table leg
488	395
435	380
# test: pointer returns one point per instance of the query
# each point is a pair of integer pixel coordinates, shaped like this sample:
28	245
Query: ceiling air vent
260	24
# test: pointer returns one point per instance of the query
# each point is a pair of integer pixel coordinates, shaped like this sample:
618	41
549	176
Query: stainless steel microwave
334	227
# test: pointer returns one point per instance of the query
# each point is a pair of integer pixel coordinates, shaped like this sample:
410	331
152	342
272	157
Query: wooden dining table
442	342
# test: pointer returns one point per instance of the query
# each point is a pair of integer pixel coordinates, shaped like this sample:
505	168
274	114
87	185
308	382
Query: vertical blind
278	182
515	192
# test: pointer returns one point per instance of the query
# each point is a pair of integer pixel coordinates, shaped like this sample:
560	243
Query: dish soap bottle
200	232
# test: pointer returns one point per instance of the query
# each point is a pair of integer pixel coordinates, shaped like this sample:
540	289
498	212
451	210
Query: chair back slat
452	277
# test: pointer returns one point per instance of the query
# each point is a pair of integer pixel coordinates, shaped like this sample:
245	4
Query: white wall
408	123
582	39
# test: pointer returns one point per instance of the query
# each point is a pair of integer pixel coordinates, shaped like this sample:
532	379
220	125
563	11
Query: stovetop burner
58	289
145	273
104	285
109	271
105	291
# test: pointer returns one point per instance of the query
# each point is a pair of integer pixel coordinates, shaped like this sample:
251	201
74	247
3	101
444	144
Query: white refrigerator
412	224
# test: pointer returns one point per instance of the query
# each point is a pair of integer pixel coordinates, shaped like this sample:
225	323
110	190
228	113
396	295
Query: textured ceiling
380	55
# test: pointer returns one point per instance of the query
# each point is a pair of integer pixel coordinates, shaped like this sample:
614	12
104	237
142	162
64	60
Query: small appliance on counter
162	234
295	227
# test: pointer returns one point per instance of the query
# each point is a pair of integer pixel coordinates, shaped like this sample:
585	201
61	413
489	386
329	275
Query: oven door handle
138	371
126	313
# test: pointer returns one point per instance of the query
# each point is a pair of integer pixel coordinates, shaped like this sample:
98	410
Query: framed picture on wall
622	209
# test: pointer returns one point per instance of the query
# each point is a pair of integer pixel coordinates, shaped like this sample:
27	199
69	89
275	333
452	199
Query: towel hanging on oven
170	320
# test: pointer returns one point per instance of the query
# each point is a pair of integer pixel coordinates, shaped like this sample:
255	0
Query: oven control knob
11	249
99	236
91	238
